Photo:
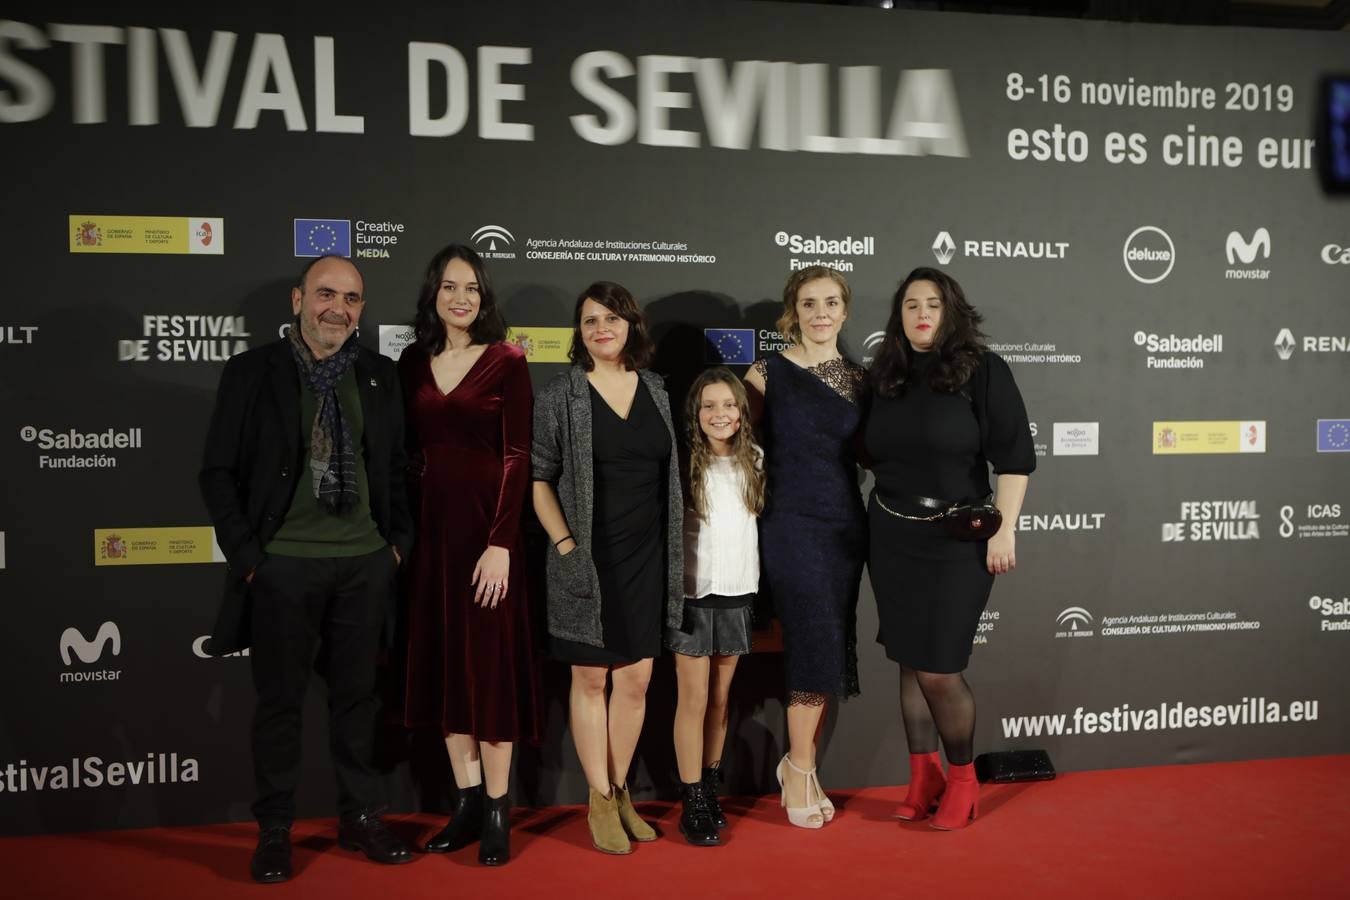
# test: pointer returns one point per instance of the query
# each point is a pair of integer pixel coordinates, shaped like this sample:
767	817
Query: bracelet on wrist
561	539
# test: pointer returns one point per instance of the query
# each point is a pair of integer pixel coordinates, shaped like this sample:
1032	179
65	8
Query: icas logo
204	234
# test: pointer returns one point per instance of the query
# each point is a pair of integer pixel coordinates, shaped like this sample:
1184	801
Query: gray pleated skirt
713	626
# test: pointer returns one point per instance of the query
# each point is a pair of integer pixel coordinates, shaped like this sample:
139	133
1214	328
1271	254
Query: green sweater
309	528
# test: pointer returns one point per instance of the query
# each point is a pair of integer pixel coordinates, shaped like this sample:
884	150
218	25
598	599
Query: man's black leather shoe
371	836
272	857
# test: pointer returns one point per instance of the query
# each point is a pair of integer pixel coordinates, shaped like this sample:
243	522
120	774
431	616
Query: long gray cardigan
562	455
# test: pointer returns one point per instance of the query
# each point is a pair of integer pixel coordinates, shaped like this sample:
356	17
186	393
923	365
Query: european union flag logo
729	346
1333	435
323	237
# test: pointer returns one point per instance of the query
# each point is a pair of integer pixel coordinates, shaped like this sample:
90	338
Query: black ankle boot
495	848
465	825
712	776
696	822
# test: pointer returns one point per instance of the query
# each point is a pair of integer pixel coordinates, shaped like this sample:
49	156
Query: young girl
721	576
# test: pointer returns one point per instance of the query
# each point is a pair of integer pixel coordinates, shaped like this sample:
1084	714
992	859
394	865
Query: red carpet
1272	829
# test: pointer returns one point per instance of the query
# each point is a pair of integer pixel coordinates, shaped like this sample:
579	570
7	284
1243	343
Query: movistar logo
72	641
1241	250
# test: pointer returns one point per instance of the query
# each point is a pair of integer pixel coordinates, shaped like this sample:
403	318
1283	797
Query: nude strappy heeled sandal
801	815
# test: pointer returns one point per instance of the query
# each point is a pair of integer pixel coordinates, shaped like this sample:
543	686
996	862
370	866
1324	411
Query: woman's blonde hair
744	454
787	324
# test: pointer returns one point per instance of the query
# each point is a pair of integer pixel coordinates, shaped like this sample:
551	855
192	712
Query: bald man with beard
303	476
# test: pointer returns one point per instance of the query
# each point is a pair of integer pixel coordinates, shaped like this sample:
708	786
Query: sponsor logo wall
1181	361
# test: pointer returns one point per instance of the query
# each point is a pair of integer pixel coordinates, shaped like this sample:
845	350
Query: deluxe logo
944	248
80	449
1336	255
1149	254
1214	520
1174	352
1285	344
89	652
820	247
494	242
17	334
1074	622
92	772
1075	439
1241	250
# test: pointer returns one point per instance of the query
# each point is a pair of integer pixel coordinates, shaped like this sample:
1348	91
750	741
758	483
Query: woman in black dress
609	498
944	408
813	530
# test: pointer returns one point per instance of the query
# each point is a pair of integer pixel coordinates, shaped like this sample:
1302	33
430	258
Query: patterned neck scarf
332	458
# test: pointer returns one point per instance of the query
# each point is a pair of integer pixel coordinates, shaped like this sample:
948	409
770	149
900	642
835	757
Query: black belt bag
965	520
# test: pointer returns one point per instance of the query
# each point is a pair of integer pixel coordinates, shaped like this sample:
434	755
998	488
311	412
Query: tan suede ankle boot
637	829
607	834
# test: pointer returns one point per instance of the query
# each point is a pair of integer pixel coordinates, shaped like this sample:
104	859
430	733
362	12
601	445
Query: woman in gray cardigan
607	491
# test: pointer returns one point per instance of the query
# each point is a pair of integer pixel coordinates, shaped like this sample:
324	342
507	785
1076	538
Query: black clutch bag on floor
1014	765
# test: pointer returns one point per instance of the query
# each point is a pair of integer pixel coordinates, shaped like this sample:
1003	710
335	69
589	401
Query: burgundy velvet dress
471	670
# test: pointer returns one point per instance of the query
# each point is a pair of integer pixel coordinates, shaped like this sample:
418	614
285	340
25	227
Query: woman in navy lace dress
813	532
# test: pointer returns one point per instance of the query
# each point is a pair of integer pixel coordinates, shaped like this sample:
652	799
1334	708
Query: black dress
628	533
931	589
813	531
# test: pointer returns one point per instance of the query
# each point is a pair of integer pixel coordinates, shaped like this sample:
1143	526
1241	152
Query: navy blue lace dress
813	532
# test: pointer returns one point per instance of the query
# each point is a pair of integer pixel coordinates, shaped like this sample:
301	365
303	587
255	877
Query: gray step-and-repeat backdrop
1134	208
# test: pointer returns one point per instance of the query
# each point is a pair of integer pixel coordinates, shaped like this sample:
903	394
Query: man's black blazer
252	459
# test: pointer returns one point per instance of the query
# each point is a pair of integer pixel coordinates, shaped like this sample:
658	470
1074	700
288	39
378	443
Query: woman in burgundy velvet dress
471	667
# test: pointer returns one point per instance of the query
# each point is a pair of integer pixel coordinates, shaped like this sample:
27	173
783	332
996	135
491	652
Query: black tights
934	704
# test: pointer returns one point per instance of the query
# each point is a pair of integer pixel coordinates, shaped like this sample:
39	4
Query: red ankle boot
925	787
961	801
